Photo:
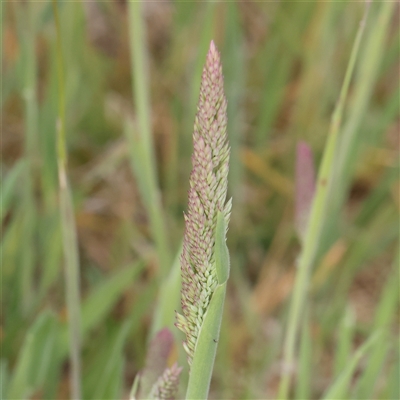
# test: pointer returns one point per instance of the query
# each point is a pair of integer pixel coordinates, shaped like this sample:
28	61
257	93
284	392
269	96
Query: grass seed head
167	385
207	196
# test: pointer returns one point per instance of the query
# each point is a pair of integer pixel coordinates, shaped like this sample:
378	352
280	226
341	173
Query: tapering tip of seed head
207	194
213	54
213	48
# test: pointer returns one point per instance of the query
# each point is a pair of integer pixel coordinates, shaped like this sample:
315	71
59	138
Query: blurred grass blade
388	305
305	187
102	298
52	251
35	357
364	85
277	181
9	186
134	388
80	202
147	175
70	246
369	377
141	308
277	63
314	226
377	197
352	138
102	372
27	34
72	280
109	381
4	378
384	315
375	237
168	298
235	78
303	386
340	387
344	341
393	382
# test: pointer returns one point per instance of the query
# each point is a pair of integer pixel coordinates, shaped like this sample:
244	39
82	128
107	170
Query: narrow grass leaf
4	378
393	387
168	298
68	228
51	250
365	386
103	361
344	341
340	388
206	349
9	187
384	315
105	295
305	187
109	382
303	385
148	171
35	357
315	226
100	301
351	139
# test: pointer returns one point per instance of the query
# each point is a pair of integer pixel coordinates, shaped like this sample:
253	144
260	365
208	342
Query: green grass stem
352	138
339	389
70	248
147	174
207	341
206	348
27	31
314	225
344	343
304	379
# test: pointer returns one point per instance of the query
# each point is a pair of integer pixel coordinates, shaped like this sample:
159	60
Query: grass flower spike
167	385
204	260
157	381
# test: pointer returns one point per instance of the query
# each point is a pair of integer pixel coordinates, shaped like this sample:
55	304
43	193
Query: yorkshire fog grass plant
204	260
98	100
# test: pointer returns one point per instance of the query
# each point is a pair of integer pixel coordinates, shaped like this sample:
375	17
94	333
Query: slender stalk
315	223
206	348
364	85
26	28
147	176
71	258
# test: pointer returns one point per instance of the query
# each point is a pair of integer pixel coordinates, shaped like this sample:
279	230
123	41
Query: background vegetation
128	140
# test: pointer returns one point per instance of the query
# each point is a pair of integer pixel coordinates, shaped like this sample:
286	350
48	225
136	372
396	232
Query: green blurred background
284	64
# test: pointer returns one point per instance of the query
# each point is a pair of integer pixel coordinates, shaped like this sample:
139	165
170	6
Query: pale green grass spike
205	257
